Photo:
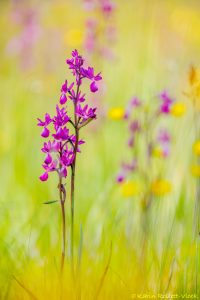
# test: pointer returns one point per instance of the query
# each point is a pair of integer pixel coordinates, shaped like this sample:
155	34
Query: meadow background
156	42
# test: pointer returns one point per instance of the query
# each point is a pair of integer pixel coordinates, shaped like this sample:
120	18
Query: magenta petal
98	77
63	99
45	132
48	159
93	87
44	176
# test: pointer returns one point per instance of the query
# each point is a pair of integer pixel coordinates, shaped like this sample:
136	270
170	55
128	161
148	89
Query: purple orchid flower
62	149
65	145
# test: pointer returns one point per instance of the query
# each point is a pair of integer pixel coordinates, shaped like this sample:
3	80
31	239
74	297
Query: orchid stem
72	217
73	167
63	236
62	204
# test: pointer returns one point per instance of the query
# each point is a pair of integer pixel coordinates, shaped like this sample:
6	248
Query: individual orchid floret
51	147
85	113
65	88
89	73
49	167
45	123
62	134
61	118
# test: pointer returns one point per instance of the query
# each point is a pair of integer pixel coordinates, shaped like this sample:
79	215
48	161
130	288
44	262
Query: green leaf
50	202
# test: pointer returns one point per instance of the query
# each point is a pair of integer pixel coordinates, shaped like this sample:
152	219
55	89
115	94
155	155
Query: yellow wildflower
116	113
193	75
157	152
130	188
74	37
194	92
195	170
161	187
196	148
178	109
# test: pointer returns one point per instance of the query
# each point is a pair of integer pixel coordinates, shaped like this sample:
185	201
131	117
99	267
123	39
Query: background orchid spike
100	30
145	131
64	144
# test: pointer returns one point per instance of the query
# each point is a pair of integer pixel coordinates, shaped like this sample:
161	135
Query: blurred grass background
156	43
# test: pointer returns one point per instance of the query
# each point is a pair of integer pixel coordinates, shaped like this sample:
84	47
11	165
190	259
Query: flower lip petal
63	99
45	132
44	176
48	159
93	87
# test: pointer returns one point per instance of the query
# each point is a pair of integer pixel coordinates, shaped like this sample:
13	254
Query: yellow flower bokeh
194	90
195	170
73	37
178	109
196	148
158	152
130	188
161	187
116	113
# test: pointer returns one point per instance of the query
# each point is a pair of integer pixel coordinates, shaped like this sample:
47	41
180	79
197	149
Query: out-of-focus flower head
193	92
161	187
196	148
166	102
133	103
26	17
130	188
126	169
178	109
163	148
116	113
195	170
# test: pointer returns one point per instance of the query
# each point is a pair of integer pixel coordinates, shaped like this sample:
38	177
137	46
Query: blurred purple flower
163	136
166	102
126	169
26	17
133	103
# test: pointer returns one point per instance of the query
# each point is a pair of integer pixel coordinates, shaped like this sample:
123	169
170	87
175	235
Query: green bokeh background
156	43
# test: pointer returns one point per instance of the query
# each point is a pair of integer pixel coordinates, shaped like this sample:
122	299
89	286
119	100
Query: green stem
73	168
72	217
62	193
